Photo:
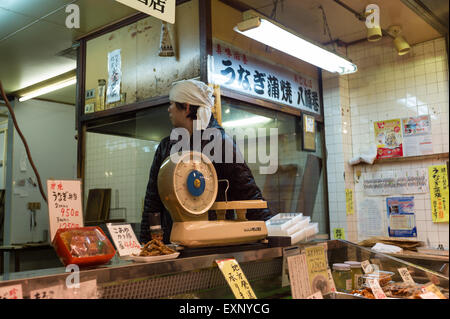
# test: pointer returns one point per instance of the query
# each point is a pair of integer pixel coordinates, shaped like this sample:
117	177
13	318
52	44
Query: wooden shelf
437	156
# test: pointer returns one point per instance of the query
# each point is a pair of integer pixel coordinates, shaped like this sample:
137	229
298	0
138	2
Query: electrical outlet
34	205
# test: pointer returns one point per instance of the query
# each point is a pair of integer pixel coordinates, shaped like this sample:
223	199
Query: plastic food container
280	223
83	246
383	277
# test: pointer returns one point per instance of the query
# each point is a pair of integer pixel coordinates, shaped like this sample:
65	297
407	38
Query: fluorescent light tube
247	122
48	89
268	33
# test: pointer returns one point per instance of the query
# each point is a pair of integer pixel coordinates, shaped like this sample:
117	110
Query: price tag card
298	275
54	292
124	239
317	295
287	252
236	279
64	205
406	276
376	289
429	295
435	290
317	268
367	267
11	292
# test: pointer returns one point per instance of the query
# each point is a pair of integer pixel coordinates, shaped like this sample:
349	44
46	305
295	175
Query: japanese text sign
11	292
124	239
161	9
406	276
232	68
339	233
349	201
298	275
236	279
64	205
54	292
439	194
376	289
317	269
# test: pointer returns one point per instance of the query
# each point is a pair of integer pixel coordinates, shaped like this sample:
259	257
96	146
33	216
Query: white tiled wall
386	86
122	164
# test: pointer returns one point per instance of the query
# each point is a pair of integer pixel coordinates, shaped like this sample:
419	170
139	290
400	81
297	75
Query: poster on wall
439	194
114	76
417	136
396	182
401	217
388	138
370	219
309	133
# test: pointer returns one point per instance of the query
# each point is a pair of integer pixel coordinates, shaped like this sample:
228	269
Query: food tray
83	246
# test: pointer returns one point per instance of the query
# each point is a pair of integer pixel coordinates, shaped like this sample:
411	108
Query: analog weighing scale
188	189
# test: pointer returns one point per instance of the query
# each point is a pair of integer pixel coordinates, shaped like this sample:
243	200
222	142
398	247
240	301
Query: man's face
176	116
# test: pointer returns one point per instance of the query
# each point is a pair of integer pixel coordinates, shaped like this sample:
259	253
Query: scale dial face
195	184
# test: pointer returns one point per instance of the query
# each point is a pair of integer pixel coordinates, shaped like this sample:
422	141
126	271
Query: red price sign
64	205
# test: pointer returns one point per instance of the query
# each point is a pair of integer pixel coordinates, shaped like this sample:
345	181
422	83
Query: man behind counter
192	100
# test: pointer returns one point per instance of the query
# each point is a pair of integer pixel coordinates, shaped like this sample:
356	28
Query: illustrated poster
388	138
401	217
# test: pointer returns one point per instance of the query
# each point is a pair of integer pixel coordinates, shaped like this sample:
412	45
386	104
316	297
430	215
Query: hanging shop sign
388	137
64	205
401	217
439	194
339	233
232	68
349	201
161	9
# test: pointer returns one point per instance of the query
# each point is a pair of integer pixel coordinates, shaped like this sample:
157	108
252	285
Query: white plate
148	259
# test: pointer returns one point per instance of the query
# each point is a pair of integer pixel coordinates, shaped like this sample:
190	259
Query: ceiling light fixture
48	89
281	38
400	43
247	121
374	32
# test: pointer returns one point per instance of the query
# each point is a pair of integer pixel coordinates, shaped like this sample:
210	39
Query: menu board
388	137
64	205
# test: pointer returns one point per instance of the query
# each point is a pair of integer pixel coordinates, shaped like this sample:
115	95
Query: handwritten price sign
64	205
124	239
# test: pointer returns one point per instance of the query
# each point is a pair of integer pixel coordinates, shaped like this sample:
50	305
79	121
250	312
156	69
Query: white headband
195	93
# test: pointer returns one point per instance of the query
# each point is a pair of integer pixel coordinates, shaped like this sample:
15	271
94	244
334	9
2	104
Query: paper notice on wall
439	194
370	219
417	136
411	181
114	76
401	217
388	138
11	292
349	201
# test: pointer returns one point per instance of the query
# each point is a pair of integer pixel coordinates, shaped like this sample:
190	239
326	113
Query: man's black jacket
242	185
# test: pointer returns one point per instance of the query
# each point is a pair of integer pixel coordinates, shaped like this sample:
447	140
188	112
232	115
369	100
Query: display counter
199	276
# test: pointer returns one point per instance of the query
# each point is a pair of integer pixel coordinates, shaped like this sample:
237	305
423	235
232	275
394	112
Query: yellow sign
432	288
339	233
317	269
236	279
349	201
438	180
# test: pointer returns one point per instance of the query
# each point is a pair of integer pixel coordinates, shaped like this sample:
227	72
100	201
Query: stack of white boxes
293	225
